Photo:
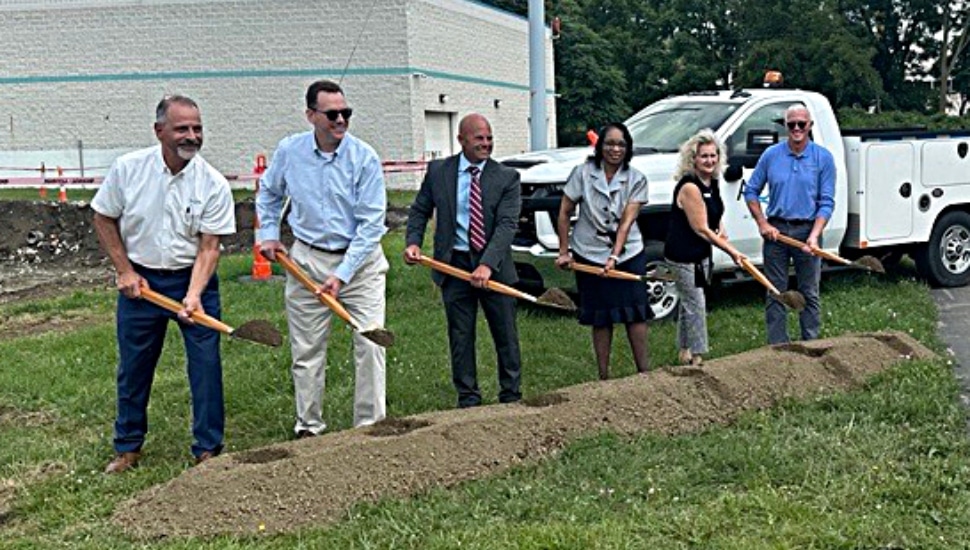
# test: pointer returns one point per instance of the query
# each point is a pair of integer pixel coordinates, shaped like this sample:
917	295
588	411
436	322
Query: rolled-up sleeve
756	183
369	212
827	175
269	200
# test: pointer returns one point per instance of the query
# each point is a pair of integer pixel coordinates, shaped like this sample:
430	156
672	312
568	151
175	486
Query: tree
590	82
952	48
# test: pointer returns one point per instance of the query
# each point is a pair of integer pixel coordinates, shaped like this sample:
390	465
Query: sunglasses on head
332	114
800	124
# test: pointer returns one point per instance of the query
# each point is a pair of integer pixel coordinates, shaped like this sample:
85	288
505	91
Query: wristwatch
615	258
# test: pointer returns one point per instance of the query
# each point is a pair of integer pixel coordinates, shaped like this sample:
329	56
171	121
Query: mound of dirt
49	245
309	482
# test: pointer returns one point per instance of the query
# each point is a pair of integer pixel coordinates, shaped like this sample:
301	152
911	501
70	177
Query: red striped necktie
476	220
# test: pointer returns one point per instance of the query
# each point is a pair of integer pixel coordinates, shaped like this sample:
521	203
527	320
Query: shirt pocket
193	217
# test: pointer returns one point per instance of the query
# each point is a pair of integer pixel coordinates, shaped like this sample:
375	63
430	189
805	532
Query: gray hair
688	152
797	108
161	111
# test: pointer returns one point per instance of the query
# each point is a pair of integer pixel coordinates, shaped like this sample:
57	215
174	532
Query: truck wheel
663	296
945	260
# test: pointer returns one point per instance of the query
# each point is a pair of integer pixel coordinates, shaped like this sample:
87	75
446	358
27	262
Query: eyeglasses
614	145
800	124
332	114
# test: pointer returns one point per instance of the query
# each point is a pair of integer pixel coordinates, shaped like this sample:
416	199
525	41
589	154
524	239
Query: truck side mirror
734	172
756	141
759	140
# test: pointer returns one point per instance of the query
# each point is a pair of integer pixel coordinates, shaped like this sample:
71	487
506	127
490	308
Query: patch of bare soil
47	247
12	327
309	482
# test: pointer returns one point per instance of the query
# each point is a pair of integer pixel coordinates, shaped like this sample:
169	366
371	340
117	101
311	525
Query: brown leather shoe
206	455
123	462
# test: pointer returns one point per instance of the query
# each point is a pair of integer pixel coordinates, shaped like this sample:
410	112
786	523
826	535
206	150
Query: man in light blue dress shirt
336	188
801	196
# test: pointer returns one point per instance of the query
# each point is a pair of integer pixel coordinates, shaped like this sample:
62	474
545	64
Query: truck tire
662	295
945	260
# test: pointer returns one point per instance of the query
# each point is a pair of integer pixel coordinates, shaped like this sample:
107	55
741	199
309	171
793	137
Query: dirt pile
47	245
309	482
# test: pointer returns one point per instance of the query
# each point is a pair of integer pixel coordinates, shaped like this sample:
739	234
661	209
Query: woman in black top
695	225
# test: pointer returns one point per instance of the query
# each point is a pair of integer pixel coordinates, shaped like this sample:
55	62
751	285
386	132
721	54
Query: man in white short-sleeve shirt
159	215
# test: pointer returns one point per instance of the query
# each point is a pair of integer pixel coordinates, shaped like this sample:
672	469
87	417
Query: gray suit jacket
500	202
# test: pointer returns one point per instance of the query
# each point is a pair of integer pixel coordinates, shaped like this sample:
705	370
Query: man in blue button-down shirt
336	188
801	195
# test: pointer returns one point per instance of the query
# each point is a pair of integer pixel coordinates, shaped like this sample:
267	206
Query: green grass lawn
887	466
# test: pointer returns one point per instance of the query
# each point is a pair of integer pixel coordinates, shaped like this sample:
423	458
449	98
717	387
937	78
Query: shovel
790	298
552	298
380	336
622	275
258	331
868	263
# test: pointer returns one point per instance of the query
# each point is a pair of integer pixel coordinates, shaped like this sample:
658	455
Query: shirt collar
464	163
804	151
163	168
339	151
599	178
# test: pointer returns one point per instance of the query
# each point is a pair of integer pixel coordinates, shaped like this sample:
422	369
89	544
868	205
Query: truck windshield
665	125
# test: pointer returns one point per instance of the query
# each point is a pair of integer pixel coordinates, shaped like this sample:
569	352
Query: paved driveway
954	329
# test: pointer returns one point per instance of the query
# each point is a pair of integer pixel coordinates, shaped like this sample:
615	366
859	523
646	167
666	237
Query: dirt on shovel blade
870	263
555	297
259	331
380	336
792	299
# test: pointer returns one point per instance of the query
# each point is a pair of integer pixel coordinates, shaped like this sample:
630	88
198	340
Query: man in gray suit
477	204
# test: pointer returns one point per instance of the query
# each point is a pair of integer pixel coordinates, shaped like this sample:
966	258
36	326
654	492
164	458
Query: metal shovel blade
259	331
556	298
380	336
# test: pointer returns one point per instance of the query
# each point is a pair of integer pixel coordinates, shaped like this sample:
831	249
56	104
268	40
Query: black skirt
604	301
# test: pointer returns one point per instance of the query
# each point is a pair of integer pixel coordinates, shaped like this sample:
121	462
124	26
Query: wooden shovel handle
816	251
165	302
612	274
297	272
759	276
466	276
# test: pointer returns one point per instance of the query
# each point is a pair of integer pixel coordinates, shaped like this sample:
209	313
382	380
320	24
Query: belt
773	220
325	250
159	271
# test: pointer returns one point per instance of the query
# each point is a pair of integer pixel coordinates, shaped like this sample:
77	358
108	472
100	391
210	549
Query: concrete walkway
954	330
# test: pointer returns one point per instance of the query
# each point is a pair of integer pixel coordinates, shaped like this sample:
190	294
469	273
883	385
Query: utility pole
538	124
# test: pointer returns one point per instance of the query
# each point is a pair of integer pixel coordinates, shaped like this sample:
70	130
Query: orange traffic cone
62	194
262	270
43	192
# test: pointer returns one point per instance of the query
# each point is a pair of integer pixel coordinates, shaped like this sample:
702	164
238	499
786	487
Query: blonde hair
688	152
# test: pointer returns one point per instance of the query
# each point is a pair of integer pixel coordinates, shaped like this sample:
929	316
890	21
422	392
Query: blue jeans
141	328
808	273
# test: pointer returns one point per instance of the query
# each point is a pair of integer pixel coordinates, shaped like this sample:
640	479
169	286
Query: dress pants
141	328
808	274
692	310
310	324
461	302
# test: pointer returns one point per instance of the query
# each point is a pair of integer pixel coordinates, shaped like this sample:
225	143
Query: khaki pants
309	322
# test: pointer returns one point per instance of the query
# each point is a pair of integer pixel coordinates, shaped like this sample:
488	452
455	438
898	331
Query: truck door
888	190
762	128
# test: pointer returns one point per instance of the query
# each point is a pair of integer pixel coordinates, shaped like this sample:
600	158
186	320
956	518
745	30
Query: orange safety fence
389	167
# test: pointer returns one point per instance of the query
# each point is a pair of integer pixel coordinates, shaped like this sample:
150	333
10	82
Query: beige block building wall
91	71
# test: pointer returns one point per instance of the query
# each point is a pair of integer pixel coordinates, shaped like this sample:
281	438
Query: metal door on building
439	134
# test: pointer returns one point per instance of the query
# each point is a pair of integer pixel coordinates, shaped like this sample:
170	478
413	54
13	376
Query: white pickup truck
897	191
